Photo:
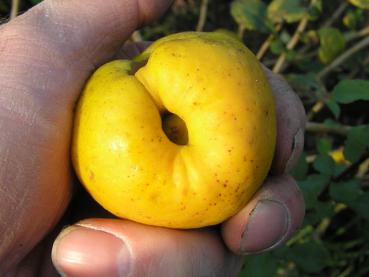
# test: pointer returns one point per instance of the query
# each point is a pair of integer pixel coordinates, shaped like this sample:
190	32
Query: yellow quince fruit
183	142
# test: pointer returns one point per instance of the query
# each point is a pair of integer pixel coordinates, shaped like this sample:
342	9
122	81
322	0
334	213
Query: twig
361	33
265	46
203	14
341	8
318	106
323	226
291	44
344	56
14	10
241	31
314	127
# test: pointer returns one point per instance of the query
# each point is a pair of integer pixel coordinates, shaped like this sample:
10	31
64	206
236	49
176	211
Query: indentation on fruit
136	65
175	128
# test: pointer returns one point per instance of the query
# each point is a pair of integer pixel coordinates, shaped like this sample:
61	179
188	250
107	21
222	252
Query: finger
290	124
46	55
269	219
108	247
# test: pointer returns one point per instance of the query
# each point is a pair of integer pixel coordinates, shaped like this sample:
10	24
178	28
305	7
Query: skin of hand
46	56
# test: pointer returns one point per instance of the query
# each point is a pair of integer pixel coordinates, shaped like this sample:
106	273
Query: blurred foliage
322	49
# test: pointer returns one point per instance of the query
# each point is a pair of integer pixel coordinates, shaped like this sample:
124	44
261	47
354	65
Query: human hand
46	56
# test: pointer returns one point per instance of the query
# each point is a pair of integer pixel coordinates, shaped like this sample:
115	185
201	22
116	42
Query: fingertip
84	251
268	220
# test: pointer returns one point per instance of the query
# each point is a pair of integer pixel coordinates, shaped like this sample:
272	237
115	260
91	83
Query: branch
341	8
14	10
344	56
265	46
203	14
291	44
314	127
361	33
241	31
318	106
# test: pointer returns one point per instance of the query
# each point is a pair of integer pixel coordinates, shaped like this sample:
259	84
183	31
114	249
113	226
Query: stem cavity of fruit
175	128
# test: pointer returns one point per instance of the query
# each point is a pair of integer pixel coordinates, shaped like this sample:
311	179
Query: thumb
46	55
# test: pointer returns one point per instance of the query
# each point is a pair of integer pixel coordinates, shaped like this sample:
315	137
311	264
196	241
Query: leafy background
322	49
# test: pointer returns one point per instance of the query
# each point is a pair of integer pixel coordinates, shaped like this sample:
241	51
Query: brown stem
14	10
318	106
265	46
291	44
314	127
241	31
202	16
344	56
331	19
361	33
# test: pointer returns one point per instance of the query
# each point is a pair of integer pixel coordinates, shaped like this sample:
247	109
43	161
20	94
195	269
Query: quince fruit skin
129	165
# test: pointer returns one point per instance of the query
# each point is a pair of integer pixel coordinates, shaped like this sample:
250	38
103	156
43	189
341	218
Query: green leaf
332	43
288	10
356	143
318	212
260	265
290	55
251	14
351	194
324	164
311	256
312	187
333	107
311	65
305	83
331	123
364	4
345	192
339	168
348	91
324	145
277	46
301	169
315	10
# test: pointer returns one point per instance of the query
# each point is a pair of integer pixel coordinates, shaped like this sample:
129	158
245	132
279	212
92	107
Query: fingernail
81	251
267	227
297	145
